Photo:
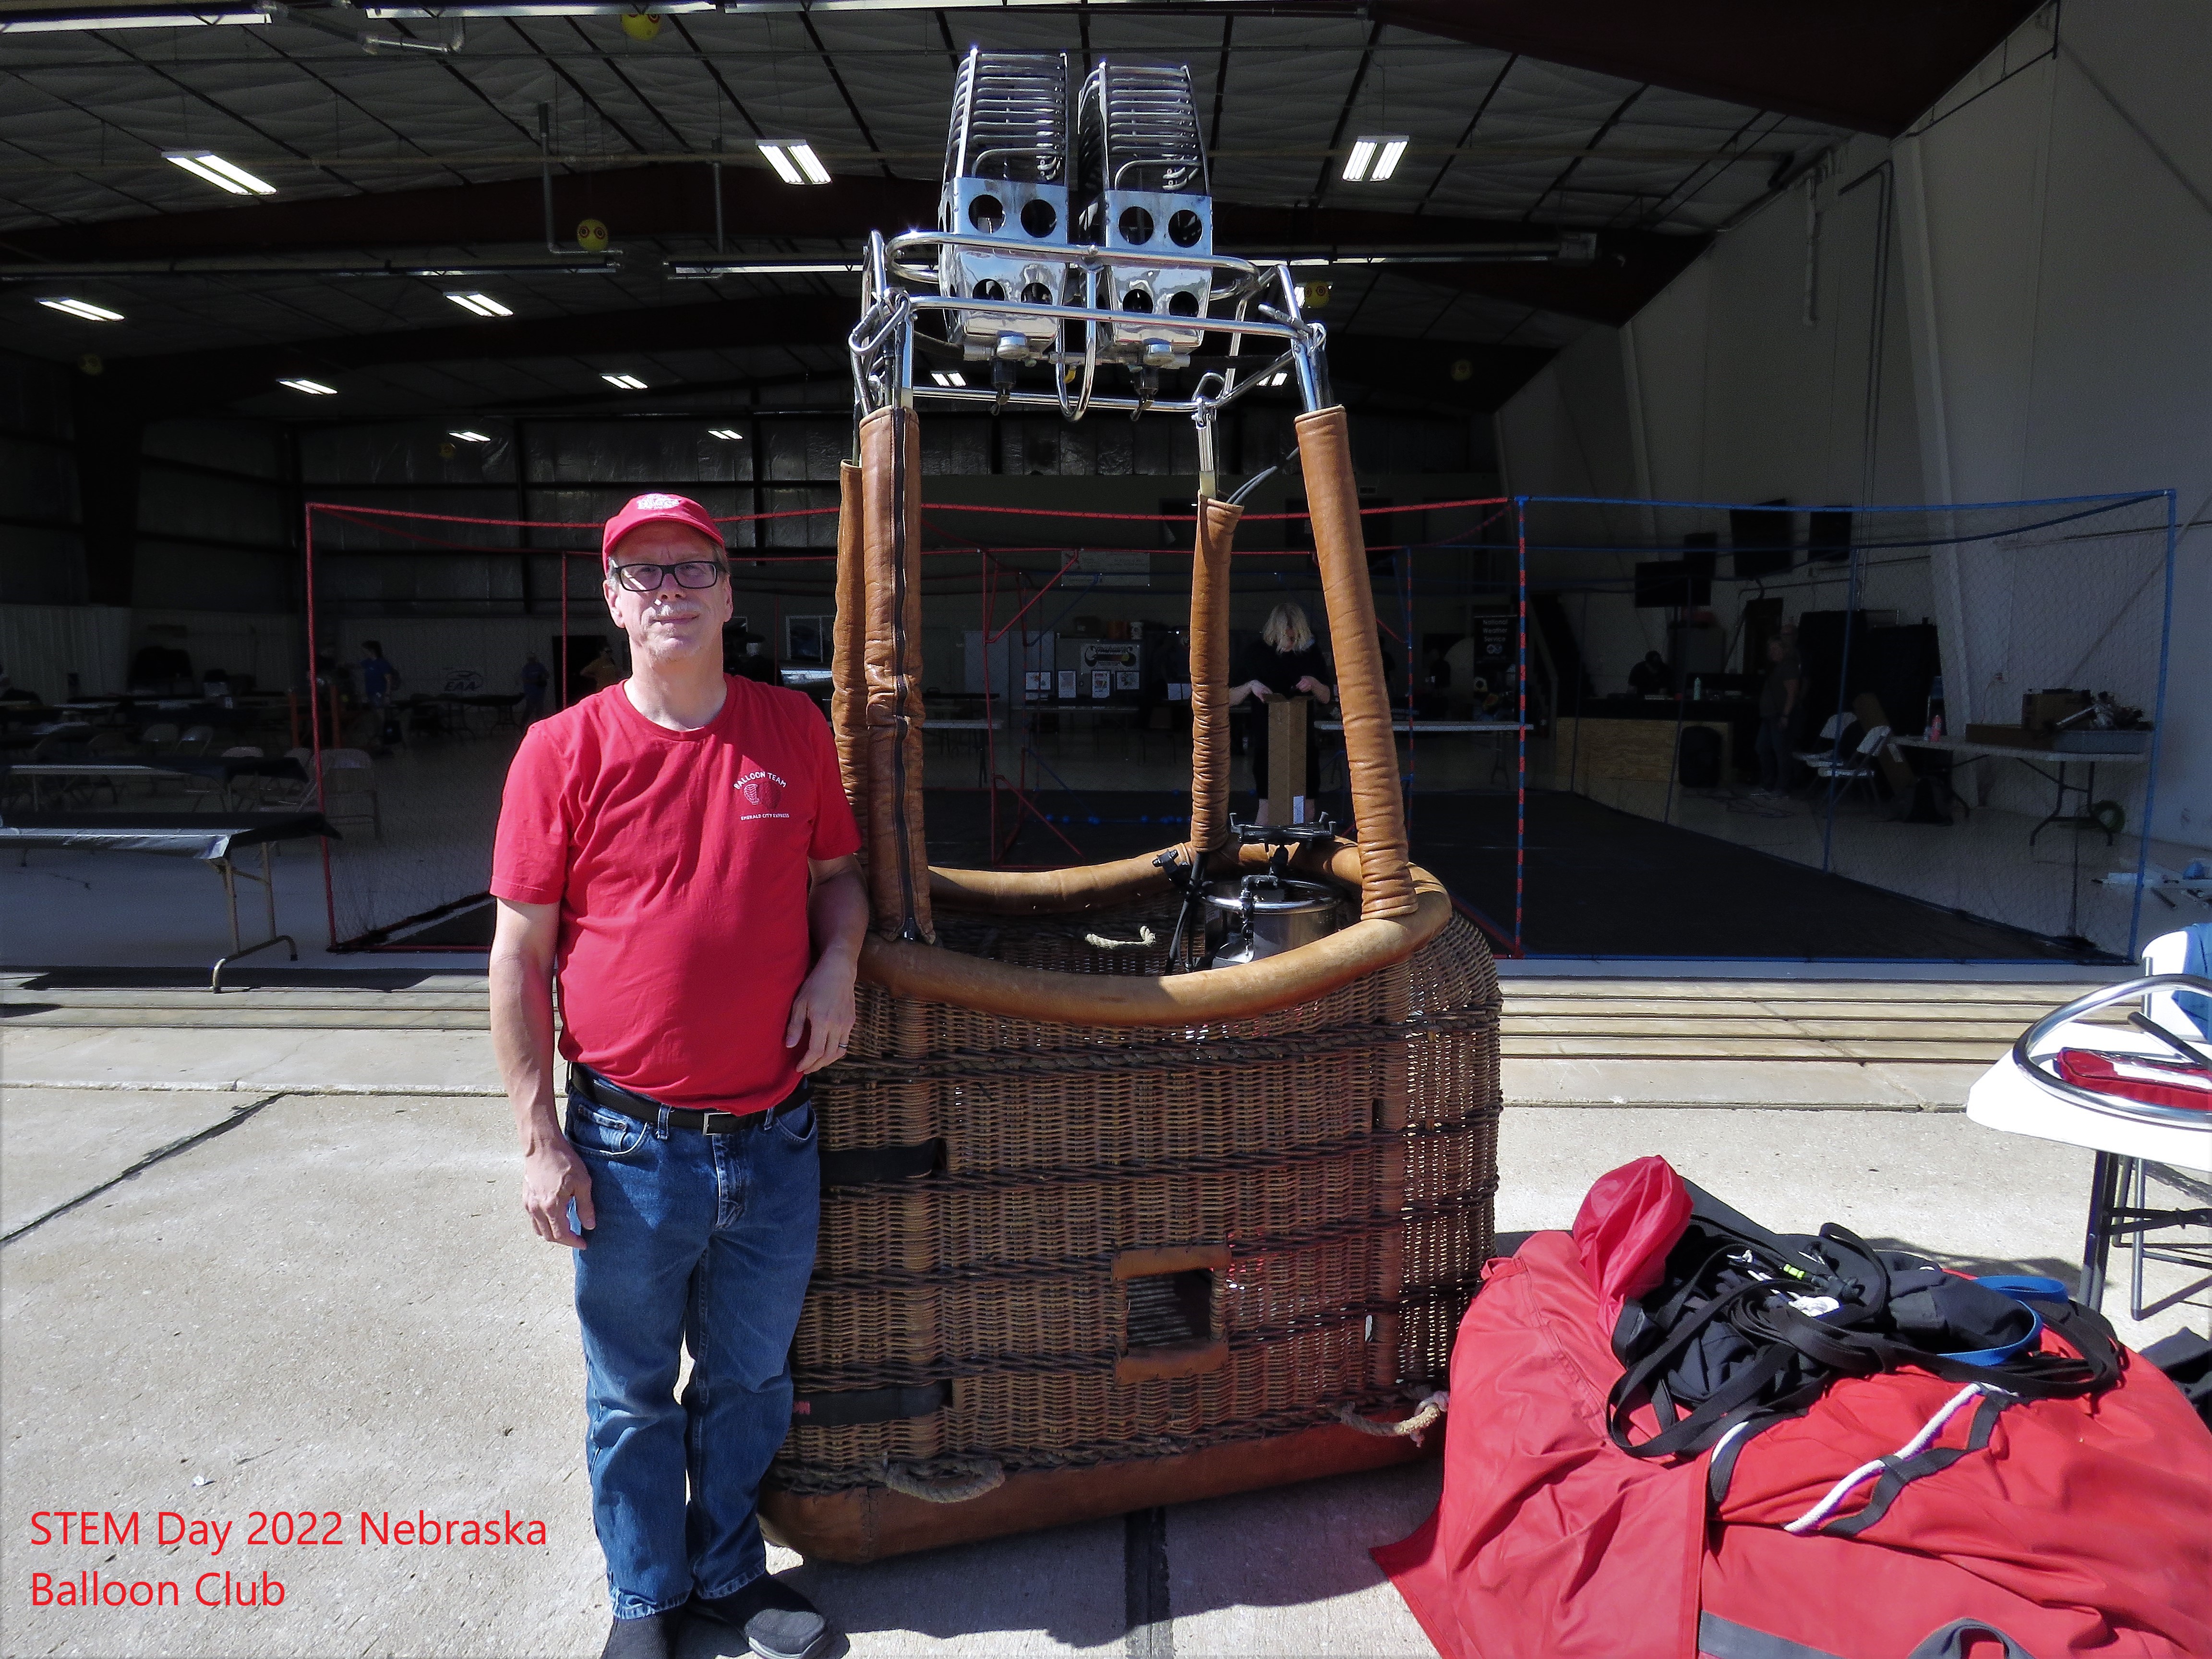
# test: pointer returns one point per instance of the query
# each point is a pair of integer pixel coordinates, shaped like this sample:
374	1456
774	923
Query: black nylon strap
847	1406
1897	1474
865	1166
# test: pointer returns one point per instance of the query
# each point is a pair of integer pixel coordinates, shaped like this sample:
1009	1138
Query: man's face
671	622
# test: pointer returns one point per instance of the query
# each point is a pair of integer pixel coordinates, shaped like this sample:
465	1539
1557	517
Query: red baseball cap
657	509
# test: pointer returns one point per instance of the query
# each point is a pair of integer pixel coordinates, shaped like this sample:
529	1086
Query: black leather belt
588	1085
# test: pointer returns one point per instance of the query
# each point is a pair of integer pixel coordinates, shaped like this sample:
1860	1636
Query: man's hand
837	916
552	1173
823	1011
523	939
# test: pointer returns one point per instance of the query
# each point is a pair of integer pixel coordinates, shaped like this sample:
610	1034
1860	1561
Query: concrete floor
316	1292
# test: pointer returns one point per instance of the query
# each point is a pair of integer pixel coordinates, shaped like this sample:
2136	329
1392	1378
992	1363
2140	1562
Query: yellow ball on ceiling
640	25
592	236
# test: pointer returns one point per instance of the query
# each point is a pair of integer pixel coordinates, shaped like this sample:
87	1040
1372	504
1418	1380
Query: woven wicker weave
1343	1152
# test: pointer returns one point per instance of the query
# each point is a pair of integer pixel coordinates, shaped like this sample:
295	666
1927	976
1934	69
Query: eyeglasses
688	572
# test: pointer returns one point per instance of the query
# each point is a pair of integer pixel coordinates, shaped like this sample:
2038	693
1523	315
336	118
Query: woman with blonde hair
1285	661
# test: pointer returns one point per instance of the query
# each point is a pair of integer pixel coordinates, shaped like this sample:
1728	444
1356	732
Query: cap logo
657	504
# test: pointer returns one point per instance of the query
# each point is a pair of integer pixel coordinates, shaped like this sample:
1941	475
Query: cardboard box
2008	737
2041	710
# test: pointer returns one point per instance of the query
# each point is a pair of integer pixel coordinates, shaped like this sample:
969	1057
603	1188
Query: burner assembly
1074	228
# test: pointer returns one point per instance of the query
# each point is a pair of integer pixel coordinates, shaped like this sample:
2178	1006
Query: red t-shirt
678	859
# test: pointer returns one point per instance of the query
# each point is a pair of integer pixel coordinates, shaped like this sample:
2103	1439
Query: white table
2128	1147
1961	750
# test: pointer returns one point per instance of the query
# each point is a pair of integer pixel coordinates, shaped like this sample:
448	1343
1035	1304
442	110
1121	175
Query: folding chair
1857	767
350	788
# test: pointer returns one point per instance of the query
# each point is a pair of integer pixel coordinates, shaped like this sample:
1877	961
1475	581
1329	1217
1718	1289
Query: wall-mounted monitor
1763	539
1671	583
1829	539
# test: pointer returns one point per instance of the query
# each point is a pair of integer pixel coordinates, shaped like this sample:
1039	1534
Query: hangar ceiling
402	136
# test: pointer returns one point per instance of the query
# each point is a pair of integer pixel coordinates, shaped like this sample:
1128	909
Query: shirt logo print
764	791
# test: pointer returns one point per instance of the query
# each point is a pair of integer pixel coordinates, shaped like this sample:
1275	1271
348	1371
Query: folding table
212	838
2133	1141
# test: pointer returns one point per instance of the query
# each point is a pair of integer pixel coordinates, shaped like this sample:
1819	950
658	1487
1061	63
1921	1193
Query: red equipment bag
1901	1517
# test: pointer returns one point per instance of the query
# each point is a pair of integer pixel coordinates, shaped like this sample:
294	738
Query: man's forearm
522	1040
837	917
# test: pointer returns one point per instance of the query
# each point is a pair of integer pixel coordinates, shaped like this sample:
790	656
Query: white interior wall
2044	329
42	645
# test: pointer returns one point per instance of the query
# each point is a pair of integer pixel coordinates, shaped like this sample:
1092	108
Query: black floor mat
1600	882
1607	883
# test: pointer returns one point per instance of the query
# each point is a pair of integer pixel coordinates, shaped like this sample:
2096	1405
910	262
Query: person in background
1777	708
603	671
535	679
1285	661
1433	702
378	676
753	662
1649	677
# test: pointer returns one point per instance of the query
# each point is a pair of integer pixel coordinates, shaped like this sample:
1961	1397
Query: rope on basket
1431	1407
1145	941
944	1480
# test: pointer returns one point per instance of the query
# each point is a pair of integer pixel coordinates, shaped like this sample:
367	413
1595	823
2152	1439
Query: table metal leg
230	874
2103	1195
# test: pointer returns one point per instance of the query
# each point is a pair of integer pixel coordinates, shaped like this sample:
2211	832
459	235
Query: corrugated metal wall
41	552
42	645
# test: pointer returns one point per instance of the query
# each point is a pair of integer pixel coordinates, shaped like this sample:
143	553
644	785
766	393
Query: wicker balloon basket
1103	1228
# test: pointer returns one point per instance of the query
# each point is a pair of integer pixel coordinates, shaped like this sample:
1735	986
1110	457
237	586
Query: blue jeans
708	1240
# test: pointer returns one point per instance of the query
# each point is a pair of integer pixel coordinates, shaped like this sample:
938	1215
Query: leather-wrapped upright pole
1209	675
898	861
1370	746
848	679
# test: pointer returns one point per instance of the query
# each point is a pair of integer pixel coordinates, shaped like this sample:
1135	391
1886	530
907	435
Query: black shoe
779	1623
640	1638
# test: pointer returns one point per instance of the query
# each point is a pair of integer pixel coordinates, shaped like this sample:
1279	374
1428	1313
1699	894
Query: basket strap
848	685
1209	676
1371	747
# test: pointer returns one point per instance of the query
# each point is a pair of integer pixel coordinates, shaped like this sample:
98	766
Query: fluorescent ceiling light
794	161
713	268
1374	157
1278	377
481	303
948	377
314	388
537	8
223	175
627	382
138	20
84	308
728	434
470	437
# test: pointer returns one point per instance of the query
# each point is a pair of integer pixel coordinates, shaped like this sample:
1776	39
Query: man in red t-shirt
677	850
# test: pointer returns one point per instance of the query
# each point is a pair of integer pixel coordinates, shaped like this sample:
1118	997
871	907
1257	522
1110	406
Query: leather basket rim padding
929	973
866	1523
